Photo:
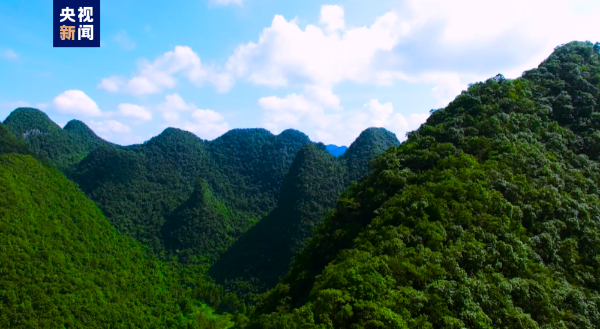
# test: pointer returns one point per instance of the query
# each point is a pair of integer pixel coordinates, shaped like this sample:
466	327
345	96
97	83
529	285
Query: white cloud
76	102
108	129
207	124
134	111
287	55
112	84
373	114
341	128
10	54
108	126
153	77
123	39
172	105
332	16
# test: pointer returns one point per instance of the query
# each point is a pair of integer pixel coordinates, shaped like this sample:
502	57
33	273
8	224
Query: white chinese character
85	13
85	31
66	13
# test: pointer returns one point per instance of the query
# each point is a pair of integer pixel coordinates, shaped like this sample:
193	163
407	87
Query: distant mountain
369	144
335	150
63	264
64	147
485	217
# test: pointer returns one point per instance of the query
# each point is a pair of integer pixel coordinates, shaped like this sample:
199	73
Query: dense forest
310	189
178	194
63	265
487	216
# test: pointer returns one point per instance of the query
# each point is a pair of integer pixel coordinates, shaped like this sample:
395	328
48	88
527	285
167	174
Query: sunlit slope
488	216
65	147
63	265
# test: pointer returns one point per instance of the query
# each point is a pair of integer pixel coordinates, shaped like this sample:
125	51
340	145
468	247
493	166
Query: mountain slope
148	190
310	189
64	265
486	217
64	147
198	226
9	143
369	144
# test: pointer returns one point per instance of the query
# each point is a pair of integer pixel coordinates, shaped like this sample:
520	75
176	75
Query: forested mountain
158	190
177	193
310	189
64	147
371	143
63	265
488	216
11	144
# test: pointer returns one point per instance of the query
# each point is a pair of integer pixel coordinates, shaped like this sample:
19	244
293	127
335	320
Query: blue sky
329	69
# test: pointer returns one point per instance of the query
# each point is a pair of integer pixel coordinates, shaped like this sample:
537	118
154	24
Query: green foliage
309	191
371	143
199	225
63	147
62	265
188	197
9	143
486	217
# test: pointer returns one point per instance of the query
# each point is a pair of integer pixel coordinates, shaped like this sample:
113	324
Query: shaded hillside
486	217
198	225
64	147
147	190
310	189
64	266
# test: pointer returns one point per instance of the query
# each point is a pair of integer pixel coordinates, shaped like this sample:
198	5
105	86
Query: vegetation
10	144
187	197
310	190
257	260
64	147
62	265
486	217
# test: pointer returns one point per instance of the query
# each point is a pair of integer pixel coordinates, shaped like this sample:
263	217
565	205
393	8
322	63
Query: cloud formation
108	129
160	74
112	84
435	43
76	102
206	124
134	111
